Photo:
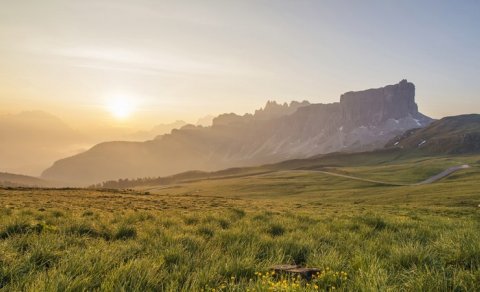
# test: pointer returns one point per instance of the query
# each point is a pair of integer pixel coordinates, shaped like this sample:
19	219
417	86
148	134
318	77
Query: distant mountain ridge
31	140
361	121
17	180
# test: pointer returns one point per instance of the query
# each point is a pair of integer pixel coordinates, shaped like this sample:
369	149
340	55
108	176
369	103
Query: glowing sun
121	107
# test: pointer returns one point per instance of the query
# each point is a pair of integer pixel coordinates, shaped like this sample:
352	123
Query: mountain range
360	121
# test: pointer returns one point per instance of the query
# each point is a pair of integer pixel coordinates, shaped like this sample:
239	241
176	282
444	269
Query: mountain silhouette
361	121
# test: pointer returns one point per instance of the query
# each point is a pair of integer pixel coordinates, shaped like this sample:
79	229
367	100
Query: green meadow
224	233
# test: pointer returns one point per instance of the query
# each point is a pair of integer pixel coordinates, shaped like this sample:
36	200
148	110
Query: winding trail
443	174
429	180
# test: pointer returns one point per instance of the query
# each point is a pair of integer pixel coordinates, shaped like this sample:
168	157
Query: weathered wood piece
295	270
283	268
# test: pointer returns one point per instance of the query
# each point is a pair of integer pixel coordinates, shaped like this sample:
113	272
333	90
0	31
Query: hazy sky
185	59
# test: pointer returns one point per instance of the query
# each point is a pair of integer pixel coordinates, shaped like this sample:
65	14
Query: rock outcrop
374	106
362	120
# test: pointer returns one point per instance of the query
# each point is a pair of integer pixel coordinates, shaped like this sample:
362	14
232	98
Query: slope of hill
450	135
16	180
361	121
157	130
389	166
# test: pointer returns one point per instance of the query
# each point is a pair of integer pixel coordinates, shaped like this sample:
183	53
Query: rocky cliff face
362	120
374	106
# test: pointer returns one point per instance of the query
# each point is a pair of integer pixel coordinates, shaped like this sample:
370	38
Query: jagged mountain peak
273	109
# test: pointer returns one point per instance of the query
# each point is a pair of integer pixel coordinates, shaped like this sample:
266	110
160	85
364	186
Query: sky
147	62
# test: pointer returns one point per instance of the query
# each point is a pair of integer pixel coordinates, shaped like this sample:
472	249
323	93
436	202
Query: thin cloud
142	62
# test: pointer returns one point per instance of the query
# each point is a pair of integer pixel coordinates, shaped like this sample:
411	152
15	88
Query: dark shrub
206	232
276	230
15	228
84	229
224	224
43	259
125	232
87	213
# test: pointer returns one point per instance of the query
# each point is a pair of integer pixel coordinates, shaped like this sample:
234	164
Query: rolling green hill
309	185
407	167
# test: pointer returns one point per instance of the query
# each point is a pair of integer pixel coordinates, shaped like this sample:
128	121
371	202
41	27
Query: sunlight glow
120	106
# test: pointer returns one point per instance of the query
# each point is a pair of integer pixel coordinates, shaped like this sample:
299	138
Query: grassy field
224	234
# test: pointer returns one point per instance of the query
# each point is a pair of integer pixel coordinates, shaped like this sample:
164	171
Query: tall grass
224	247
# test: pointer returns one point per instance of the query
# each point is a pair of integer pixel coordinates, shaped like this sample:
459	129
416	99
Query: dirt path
443	174
360	179
429	180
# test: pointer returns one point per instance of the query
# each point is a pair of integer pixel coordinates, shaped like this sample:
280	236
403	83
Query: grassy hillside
220	233
408	167
310	185
450	135
407	171
386	156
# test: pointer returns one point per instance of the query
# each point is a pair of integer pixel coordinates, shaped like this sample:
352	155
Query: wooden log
295	270
283	268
